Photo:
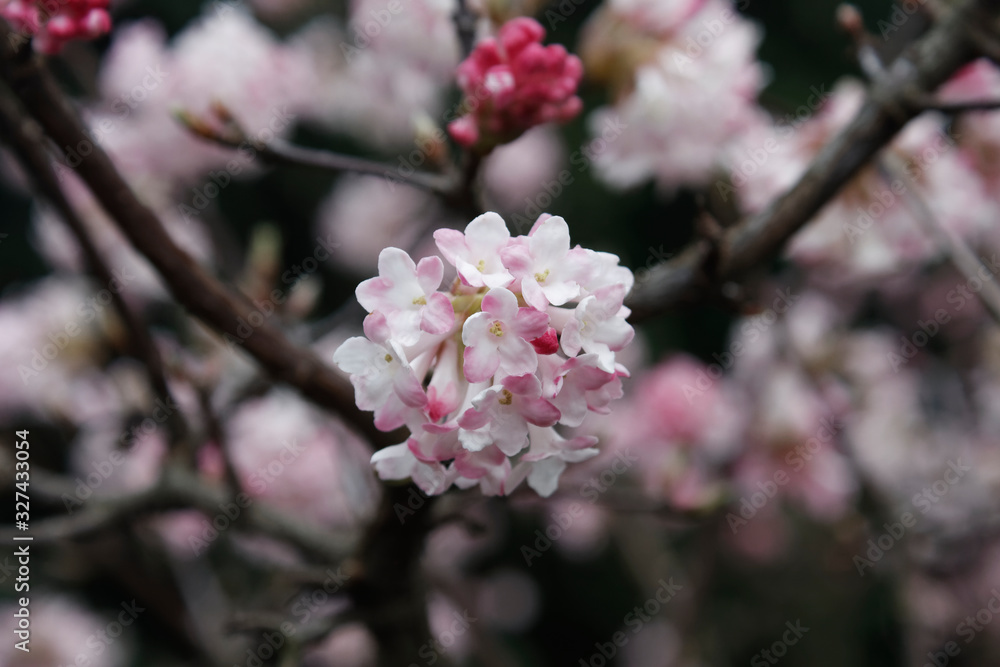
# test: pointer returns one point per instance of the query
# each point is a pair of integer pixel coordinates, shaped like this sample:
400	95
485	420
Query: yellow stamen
506	398
420	301
540	277
496	328
481	266
388	358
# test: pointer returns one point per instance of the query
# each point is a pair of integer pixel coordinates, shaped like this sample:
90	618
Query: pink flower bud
516	83
71	19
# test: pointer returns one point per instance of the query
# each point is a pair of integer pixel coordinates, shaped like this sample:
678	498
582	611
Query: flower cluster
686	79
475	373
513	83
72	19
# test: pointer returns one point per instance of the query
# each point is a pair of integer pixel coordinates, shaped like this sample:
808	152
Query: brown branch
26	139
180	488
952	108
465	27
282	153
190	284
893	101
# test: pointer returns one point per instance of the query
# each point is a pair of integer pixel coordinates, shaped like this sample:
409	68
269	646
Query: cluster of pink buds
475	373
52	23
512	83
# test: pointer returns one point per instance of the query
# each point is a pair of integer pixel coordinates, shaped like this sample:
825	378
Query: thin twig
952	108
280	152
928	63
959	254
178	487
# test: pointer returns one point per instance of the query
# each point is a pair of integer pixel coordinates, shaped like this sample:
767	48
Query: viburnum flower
482	391
72	19
406	293
512	83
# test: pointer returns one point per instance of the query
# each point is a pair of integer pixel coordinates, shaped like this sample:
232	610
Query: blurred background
804	469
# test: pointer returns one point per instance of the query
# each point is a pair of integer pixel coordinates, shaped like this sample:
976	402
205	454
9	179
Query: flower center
420	301
497	328
481	266
506	398
388	358
540	277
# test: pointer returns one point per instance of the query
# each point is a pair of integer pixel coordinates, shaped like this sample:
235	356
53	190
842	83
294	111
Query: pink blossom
580	387
549	454
288	453
545	266
518	83
380	85
406	293
497	338
398	462
383	379
72	19
476	253
500	415
472	416
599	327
76	639
681	107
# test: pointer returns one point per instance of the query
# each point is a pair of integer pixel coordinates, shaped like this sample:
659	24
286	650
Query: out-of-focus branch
465	27
26	139
282	153
893	100
960	255
180	488
190	284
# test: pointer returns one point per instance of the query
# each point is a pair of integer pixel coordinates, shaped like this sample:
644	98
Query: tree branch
282	153
180	488
892	102
190	284
26	140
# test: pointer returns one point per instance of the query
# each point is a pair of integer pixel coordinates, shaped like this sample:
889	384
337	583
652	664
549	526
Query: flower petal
482	361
